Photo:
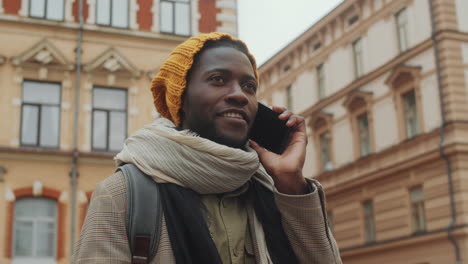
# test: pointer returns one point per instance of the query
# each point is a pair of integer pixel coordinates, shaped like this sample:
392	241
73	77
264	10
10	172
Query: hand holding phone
269	131
280	139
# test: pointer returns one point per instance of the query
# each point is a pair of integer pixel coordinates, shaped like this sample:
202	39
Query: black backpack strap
144	214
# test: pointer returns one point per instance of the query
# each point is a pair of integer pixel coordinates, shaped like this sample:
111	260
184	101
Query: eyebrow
225	71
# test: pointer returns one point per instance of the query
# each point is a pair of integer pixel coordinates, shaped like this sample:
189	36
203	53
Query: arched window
35	231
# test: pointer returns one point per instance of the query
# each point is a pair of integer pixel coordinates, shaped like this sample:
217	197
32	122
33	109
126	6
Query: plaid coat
103	239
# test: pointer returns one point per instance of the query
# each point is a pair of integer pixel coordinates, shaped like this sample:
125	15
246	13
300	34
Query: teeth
232	115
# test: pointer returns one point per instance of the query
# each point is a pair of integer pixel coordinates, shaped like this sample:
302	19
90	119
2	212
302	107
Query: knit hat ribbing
169	84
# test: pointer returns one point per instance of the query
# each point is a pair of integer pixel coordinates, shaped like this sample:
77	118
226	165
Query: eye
251	85
217	79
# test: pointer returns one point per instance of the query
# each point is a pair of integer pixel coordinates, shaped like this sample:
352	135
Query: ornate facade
384	88
123	44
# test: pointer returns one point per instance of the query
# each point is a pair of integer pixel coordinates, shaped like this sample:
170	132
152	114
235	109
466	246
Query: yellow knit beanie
169	84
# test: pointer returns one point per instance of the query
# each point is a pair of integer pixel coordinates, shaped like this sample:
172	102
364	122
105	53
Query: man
225	199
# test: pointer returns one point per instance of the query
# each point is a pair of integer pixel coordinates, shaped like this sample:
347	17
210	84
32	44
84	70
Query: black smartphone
269	131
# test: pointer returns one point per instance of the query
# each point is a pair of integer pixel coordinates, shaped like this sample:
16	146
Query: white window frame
401	21
129	8
35	220
174	18
45	11
39	106
108	112
357	58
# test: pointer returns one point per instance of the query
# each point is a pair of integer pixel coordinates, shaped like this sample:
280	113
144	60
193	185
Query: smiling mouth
233	115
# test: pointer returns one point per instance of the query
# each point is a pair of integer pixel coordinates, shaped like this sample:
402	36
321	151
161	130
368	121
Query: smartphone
269	131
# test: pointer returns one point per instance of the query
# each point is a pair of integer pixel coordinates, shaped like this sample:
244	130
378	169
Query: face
220	103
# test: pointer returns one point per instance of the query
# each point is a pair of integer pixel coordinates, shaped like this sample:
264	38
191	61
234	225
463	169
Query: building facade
123	43
384	89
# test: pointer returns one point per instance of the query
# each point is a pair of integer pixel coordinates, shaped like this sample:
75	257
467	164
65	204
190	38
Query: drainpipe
74	172
448	163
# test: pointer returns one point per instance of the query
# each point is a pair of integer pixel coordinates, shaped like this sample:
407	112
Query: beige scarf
183	158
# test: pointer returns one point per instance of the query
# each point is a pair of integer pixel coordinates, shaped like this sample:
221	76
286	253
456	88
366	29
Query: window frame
110	16
405	115
399	27
357	104
35	220
327	136
369	238
320	69
38	136
93	109
368	151
289	97
45	11
417	229
174	20
405	79
358	61
320	124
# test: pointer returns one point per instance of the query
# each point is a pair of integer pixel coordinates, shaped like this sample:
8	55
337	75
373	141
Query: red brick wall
208	11
144	15
9	226
11	6
75	10
28	192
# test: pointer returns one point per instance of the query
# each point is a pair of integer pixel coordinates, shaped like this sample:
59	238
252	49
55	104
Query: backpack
144	214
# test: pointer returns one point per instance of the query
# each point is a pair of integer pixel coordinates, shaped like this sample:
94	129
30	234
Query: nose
237	96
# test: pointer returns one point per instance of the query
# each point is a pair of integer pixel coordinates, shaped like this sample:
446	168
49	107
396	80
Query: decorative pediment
42	54
357	100
320	119
112	61
403	74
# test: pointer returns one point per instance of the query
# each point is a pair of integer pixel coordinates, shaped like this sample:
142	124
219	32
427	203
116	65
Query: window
353	19
369	224
321	81
325	151
417	209
317	45
402	25
112	13
47	9
35	230
109	118
289	99
175	17
357	55
40	114
411	114
364	135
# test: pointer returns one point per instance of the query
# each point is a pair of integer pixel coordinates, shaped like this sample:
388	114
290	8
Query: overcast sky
269	25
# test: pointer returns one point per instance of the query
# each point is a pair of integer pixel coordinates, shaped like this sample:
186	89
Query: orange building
384	88
46	85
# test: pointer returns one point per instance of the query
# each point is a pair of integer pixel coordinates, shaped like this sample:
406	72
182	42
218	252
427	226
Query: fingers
292	119
259	149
